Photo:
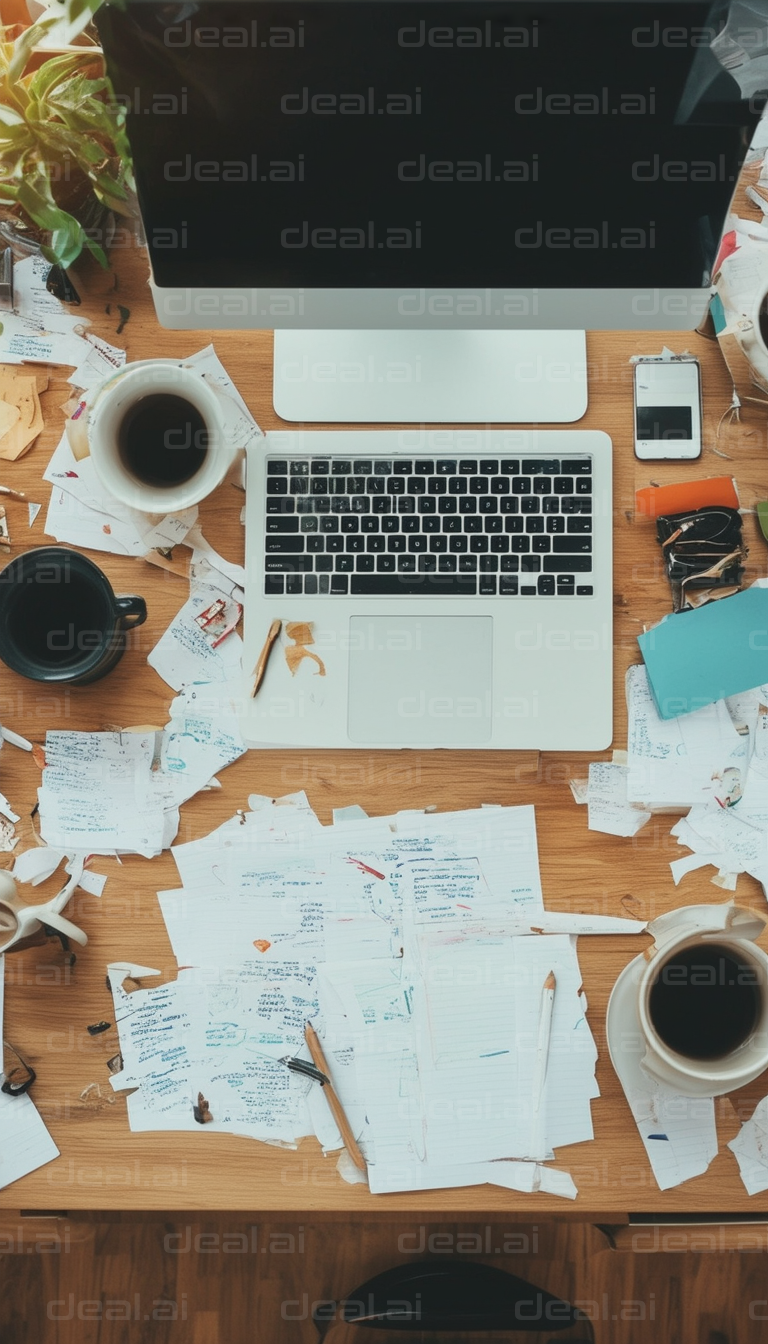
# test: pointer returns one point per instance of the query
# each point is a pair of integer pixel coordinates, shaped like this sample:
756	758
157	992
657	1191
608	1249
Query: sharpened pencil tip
550	981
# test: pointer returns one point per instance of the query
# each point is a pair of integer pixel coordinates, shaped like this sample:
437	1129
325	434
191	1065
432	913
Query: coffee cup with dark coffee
703	1004
156	436
60	620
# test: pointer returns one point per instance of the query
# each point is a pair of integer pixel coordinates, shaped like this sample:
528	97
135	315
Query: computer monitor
349	166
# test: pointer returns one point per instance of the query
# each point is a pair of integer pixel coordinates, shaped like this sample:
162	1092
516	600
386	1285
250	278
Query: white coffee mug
106	409
697	927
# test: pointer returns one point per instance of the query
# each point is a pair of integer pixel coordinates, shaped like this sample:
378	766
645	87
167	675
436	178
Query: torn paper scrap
608	808
750	1148
183	654
679	1133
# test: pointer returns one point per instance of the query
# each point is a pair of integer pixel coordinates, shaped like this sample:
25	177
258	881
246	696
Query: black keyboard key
360	504
458	545
280	506
355	545
515	525
487	504
567	564
578	468
320	467
427	504
468	466
279	524
520	545
527	590
576	504
530	504
365	564
396	544
294	584
341	468
478	485
284	545
310	584
530	564
583	485
323	564
510	504
437	485
447	504
508	585
339	585
277	485
584	590
468	504
478	544
273	585
438	544
566	585
472	525
344	564
423	467
521	485
418	543
563	485
556	524
381	467
288	564
487	585
333	545
493	523
536	466
446	564
374	485
422	585
417	485
546	585
318	485
376	543
320	504
369	524
309	522
350	524
432	524
410	525
406	564
542	485
336	486
315	544
467	564
340	504
572	545
329	524
277	468
500	545
445	467
299	469
550	504
499	485
510	466
396	485
389	523
406	504
489	564
426	564
362	467
386	564
541	545
533	525
381	504
578	525
489	467
355	485
510	564
402	468
452	523
457	485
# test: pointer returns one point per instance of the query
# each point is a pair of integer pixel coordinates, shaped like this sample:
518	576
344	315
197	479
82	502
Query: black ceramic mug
60	620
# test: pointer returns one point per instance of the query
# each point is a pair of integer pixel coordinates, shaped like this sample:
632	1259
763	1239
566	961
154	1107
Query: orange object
656	501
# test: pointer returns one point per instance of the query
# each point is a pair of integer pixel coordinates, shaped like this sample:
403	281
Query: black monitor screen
387	144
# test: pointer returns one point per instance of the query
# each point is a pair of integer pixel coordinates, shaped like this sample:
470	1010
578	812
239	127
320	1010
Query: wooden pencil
337	1110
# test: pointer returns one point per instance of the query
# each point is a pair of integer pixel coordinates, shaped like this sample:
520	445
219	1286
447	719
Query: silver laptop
436	588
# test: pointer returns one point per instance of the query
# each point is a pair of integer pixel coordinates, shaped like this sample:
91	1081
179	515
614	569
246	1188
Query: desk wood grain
48	1006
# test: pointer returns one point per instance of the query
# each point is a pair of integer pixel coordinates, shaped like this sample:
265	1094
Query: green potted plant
65	162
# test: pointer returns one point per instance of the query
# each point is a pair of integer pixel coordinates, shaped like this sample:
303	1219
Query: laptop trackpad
420	680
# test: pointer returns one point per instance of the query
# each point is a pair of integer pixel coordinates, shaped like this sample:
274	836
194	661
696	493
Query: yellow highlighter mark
300	632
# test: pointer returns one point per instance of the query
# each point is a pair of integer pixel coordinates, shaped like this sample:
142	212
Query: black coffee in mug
162	439
60	620
705	1001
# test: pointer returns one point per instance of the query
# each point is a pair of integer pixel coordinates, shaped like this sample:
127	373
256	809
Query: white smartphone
667	409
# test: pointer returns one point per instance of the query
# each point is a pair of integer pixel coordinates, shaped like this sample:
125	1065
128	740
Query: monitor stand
444	377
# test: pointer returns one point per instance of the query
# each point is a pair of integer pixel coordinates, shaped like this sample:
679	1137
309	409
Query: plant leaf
24	46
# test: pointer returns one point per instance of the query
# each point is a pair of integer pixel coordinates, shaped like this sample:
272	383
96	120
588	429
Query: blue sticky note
696	657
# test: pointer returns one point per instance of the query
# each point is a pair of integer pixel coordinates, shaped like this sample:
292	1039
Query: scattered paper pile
750	1148
107	793
25	1143
408	940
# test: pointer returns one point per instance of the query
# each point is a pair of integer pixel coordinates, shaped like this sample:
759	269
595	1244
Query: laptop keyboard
453	527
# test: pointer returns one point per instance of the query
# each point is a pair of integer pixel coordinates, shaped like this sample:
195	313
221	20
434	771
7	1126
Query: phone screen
664	422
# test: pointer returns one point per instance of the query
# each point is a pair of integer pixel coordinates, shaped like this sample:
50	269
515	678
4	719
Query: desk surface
48	1007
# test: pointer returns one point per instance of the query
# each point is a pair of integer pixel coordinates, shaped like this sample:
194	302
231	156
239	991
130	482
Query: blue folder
696	657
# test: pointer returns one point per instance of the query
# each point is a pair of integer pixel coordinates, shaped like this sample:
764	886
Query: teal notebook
696	657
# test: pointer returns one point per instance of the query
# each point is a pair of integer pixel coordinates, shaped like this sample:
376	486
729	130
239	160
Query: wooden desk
48	1007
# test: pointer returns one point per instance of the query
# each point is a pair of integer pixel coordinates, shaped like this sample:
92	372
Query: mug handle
131	606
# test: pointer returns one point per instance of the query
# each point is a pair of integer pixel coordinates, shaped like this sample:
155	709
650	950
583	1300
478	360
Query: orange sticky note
656	501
